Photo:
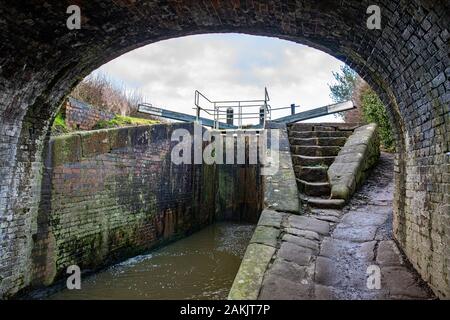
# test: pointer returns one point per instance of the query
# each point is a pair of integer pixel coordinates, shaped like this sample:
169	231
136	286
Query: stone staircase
314	148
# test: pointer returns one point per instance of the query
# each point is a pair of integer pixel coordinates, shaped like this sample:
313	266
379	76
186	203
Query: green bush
374	111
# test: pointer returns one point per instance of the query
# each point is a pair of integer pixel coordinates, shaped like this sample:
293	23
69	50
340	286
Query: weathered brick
37	73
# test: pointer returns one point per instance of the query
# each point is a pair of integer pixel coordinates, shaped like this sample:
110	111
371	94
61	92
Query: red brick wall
355	115
83	116
111	194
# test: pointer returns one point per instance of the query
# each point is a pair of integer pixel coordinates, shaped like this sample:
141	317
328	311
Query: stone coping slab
360	153
248	281
259	253
280	188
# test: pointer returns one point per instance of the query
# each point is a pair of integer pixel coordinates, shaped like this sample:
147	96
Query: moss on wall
115	193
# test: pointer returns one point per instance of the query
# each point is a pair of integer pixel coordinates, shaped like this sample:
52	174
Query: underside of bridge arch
406	62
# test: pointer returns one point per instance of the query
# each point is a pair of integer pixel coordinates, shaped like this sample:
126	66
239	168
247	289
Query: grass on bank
59	125
123	121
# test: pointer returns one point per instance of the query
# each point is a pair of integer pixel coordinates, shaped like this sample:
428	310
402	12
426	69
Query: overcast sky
226	67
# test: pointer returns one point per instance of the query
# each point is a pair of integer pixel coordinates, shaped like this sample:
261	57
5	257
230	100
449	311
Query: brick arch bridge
407	63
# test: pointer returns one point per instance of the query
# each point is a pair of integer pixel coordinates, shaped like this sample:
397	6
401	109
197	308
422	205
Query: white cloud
226	67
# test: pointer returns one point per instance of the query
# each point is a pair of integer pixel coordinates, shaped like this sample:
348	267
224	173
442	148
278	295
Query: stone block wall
111	194
280	195
83	116
424	228
351	166
280	188
325	126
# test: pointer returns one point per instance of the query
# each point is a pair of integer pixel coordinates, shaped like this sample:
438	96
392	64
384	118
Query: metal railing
229	111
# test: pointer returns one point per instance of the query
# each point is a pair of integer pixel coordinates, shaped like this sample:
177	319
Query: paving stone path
326	254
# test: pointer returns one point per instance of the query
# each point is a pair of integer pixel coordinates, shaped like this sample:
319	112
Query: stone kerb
248	281
280	199
280	189
360	153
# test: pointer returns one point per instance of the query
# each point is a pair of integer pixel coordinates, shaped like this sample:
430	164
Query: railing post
292	109
197	104
262	115
230	116
216	124
240	114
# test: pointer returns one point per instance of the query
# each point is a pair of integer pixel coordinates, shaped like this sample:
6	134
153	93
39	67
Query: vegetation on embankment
123	121
99	95
101	91
59	125
349	86
373	110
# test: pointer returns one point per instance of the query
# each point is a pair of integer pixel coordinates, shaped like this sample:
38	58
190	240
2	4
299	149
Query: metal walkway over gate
234	110
235	114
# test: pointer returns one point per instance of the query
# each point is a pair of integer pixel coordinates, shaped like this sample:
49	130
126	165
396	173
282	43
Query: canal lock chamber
113	198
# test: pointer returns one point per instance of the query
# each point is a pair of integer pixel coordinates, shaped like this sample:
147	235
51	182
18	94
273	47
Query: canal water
201	266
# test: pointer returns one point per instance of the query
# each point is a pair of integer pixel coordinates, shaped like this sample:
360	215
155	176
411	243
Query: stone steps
314	148
322	203
309	161
323	126
319	134
318	141
315	151
311	174
315	189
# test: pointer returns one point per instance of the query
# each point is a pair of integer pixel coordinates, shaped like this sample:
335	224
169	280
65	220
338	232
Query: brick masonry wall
111	194
406	63
80	115
355	115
